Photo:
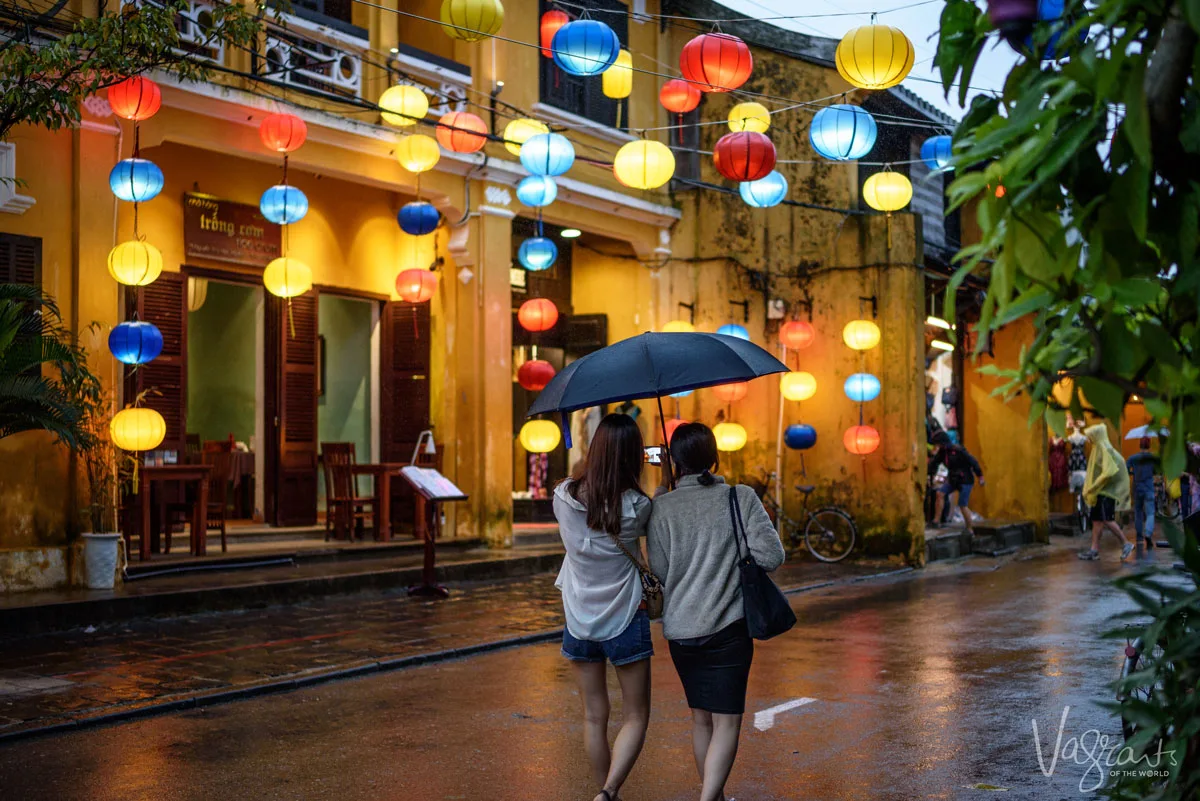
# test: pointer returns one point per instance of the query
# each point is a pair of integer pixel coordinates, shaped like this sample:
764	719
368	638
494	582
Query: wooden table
382	474
183	474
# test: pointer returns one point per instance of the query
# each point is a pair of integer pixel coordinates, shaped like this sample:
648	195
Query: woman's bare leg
702	727
722	750
592	679
635	718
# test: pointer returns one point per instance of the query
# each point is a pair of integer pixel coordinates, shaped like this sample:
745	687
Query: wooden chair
192	449
219	480
345	511
218	446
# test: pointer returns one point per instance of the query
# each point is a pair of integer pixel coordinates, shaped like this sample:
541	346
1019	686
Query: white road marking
766	719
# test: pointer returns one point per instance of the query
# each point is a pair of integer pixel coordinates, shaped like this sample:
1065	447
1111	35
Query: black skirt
714	669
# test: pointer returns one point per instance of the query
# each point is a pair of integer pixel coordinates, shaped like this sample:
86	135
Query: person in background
1142	466
963	468
1105	490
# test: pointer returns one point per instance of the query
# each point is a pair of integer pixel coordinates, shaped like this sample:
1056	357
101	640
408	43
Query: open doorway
345	386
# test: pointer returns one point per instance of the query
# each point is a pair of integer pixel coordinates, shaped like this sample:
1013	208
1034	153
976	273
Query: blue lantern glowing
935	152
135	180
734	330
1051	11
585	47
683	394
135	342
537	253
862	387
800	437
547	154
765	192
283	204
843	132
537	190
418	218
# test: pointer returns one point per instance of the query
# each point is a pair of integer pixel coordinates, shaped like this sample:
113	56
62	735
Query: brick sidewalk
69	676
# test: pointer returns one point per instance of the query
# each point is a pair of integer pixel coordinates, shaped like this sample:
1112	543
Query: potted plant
101	541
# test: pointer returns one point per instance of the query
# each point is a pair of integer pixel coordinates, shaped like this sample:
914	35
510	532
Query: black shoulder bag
768	613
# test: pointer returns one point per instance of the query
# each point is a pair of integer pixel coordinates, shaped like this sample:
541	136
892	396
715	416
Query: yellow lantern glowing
135	263
861	334
644	164
797	386
287	277
471	20
730	436
617	81
887	191
137	429
749	117
520	129
403	105
874	56
418	153
540	436
678	327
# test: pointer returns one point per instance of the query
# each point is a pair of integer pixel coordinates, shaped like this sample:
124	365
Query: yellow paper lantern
403	105
749	117
730	436
135	263
874	56
887	191
137	429
418	153
617	81
520	129
540	436
471	20
287	277
644	164
861	334
678	327
797	386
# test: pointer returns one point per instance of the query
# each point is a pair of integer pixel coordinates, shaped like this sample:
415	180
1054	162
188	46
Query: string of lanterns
284	205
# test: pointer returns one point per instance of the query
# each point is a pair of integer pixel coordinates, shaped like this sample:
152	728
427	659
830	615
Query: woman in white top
602	594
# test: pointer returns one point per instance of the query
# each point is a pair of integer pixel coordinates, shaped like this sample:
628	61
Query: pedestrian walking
1105	490
1142	466
962	469
694	550
602	515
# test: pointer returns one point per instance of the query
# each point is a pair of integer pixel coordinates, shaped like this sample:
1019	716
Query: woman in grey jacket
693	551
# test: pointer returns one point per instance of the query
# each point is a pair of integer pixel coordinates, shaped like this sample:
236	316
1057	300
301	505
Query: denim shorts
631	645
963	490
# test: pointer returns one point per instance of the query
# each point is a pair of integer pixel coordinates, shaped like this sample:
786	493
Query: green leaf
1107	399
1175	451
1135	127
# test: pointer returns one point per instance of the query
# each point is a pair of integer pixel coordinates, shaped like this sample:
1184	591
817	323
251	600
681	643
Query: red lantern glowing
716	62
416	286
672	425
679	96
861	440
551	22
461	132
732	392
537	314
135	98
535	374
797	334
744	156
282	133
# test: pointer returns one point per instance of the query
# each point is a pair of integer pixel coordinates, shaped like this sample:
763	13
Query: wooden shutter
164	380
585	333
20	260
404	393
291	413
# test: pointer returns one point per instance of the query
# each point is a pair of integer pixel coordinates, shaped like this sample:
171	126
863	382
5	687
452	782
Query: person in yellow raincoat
1105	490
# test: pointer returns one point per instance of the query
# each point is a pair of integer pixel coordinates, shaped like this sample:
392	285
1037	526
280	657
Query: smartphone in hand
654	455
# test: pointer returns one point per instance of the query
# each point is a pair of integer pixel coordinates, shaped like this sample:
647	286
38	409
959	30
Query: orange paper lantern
461	132
135	98
282	133
537	314
551	21
716	62
416	286
672	425
797	334
679	96
732	392
861	440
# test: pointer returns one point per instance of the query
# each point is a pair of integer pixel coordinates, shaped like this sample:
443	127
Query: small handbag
768	613
652	589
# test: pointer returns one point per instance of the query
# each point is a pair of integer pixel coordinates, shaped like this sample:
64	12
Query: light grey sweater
691	545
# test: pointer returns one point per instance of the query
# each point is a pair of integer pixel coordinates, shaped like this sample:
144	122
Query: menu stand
431	488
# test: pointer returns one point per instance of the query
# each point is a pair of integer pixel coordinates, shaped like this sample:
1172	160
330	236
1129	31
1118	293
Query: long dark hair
694	451
613	465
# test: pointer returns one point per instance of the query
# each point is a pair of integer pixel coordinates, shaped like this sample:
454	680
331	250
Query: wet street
915	686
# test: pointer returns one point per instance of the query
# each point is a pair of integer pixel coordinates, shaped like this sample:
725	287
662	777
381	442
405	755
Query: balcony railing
193	24
445	81
307	54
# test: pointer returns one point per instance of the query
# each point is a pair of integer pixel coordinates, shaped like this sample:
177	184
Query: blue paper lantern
135	342
547	154
283	204
418	218
842	132
862	387
935	152
683	394
537	253
1052	11
136	180
765	192
800	437
733	330
585	47
537	190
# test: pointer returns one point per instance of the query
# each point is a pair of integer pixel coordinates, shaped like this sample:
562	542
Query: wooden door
404	393
291	410
163	380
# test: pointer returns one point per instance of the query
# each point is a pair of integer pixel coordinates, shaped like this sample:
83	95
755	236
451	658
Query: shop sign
222	230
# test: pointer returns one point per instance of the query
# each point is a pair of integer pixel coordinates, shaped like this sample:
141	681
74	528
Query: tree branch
1164	85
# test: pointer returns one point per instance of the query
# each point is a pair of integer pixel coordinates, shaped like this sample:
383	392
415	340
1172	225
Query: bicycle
1082	513
829	533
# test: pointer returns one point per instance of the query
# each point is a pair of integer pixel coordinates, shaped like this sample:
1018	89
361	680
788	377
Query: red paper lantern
416	286
461	132
537	314
551	22
797	334
535	374
282	133
135	98
679	96
716	62
671	426
732	392
861	440
744	156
